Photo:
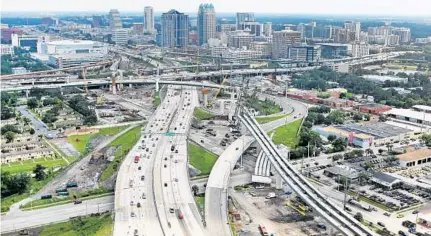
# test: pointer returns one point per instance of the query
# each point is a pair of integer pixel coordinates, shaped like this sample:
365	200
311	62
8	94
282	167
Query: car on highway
166	184
387	214
171	210
143	196
400	216
381	224
136	159
132	214
138	204
132	203
139	168
142	177
135	232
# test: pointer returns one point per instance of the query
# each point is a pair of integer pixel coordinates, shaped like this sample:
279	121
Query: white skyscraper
114	19
206	23
148	19
353	26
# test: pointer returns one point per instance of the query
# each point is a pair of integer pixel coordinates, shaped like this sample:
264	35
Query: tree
339	144
337	157
358	117
10	136
6	112
39	172
12	184
11	128
358	216
331	137
32	131
195	190
32	103
426	138
382	118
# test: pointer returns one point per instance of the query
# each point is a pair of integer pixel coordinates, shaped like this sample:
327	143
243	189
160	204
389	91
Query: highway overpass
320	204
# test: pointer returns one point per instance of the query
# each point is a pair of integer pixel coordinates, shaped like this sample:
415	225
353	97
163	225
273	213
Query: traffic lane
54	214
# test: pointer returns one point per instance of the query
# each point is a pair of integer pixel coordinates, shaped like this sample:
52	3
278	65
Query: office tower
242	17
267	29
240	39
148	19
306	30
360	49
206	23
175	29
354	27
281	40
304	53
114	19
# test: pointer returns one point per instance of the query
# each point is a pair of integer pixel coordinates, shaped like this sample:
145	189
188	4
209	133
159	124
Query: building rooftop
343	171
377	130
384	177
415	155
372	105
422	107
418	115
72	42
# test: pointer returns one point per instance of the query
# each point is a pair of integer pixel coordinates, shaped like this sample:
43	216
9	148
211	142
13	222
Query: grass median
157	101
201	114
98	225
123	143
201	159
263	120
80	142
286	134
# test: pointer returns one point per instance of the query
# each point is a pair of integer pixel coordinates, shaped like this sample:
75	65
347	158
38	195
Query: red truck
180	214
136	159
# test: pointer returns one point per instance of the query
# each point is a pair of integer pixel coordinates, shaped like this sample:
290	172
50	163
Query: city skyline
339	7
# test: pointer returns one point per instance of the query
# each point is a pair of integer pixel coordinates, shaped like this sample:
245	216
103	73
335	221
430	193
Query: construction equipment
99	99
210	104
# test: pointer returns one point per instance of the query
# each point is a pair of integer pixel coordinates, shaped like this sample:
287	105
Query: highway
335	216
216	192
28	219
159	181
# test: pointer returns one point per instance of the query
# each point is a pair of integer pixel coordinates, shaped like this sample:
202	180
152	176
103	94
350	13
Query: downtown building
240	39
149	19
242	17
360	49
354	27
304	53
206	23
281	40
114	20
175	29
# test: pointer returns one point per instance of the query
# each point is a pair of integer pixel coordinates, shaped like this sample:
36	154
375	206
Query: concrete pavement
29	219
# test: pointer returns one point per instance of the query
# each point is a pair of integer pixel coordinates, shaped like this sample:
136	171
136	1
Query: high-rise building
148	19
267	29
353	26
404	33
138	28
240	39
175	29
114	19
323	32
206	23
242	17
304	53
120	36
306	30
253	27
360	49
281	40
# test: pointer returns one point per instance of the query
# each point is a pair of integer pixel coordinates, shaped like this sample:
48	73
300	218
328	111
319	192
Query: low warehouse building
415	158
367	135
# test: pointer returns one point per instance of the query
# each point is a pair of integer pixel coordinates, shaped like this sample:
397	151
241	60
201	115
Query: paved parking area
66	147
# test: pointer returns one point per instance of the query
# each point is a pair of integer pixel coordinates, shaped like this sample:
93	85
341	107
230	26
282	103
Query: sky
340	7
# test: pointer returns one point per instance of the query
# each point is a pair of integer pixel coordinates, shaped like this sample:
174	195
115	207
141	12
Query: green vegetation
81	105
157	101
27	166
201	203
263	120
233	226
287	134
265	107
201	114
98	225
21	58
318	79
201	159
124	143
80	142
371	202
24	187
87	195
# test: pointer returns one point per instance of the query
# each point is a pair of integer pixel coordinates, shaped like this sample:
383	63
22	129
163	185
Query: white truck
270	195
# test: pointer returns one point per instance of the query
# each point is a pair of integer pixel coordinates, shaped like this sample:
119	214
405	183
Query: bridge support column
67	80
205	100
278	182
32	82
221	106
61	91
157	85
130	78
27	92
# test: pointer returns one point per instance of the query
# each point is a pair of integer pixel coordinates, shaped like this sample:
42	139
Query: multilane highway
153	195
